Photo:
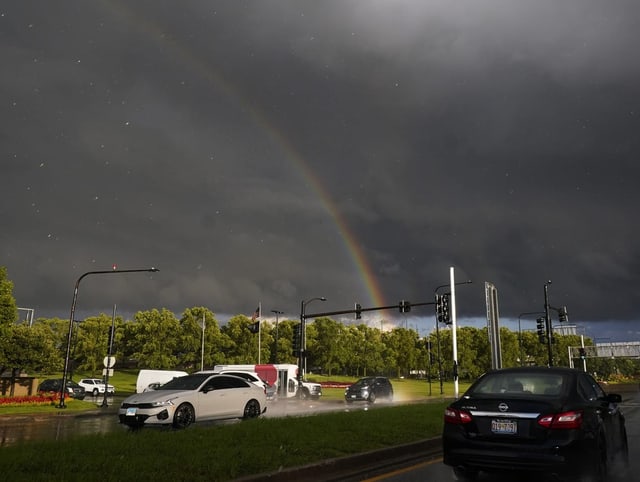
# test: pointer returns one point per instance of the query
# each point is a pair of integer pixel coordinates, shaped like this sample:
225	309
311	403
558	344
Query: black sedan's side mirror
614	398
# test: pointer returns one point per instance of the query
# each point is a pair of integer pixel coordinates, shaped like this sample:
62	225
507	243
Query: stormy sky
275	151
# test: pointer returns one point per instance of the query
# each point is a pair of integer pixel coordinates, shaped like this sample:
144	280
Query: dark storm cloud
214	139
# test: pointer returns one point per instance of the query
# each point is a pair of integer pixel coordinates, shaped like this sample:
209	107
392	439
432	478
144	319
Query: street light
63	388
438	331
302	357
277	312
112	335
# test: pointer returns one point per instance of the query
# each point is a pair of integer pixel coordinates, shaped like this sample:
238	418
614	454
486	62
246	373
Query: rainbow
175	49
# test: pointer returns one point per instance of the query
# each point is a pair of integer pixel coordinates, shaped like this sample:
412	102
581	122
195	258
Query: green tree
25	349
243	347
326	344
90	345
151	339
190	344
8	307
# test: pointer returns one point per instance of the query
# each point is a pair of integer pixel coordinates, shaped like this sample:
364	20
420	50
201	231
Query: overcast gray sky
276	151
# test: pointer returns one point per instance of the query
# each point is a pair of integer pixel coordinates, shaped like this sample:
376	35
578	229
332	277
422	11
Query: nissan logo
503	407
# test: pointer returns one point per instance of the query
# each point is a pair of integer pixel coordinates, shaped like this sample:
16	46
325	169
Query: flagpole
202	350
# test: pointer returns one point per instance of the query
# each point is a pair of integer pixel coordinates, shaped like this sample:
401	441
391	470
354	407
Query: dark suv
369	389
54	385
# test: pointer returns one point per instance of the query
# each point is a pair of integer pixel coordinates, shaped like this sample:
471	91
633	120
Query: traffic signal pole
547	320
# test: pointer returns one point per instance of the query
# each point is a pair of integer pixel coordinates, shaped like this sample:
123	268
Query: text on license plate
508	427
131	411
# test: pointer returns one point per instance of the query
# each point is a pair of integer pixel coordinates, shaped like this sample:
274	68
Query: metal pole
202	348
277	312
259	330
454	330
547	321
109	348
63	388
455	367
302	359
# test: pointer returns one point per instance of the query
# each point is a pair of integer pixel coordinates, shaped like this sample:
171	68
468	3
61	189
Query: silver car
197	397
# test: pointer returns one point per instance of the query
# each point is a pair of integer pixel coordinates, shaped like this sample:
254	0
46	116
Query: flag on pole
256	314
254	327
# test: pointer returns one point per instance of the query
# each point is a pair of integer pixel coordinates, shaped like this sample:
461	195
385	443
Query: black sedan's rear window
550	384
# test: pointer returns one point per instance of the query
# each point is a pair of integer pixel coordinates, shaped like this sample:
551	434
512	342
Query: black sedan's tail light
565	420
456	417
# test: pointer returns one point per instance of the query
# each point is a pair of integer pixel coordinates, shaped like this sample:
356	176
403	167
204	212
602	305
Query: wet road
62	424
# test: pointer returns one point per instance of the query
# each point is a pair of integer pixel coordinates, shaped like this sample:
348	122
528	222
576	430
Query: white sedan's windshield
189	382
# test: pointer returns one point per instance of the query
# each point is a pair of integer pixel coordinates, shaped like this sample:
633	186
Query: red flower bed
40	399
335	384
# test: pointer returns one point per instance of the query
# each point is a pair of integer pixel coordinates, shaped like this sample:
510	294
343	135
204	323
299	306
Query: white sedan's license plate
131	411
508	427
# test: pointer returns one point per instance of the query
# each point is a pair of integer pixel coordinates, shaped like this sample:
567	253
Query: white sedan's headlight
163	403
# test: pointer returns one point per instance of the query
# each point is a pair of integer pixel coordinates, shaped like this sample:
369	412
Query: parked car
557	421
369	389
55	384
96	386
197	397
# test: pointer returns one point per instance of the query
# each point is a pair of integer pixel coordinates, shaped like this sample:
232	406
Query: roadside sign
109	361
109	370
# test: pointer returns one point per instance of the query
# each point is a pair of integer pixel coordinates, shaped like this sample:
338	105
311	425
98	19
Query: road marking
403	470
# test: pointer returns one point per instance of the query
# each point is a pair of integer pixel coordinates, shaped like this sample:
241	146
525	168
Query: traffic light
443	315
404	306
541	329
582	352
358	311
562	314
297	338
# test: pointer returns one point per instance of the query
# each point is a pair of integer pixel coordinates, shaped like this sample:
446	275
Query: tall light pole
302	358
277	312
63	388
204	324
438	288
112	335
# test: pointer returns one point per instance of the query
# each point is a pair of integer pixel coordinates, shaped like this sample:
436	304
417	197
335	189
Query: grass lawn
222	451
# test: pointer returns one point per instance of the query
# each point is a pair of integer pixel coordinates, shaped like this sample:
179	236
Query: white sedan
197	397
95	386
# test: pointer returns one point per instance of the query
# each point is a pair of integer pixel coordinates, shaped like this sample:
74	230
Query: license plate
131	411
508	427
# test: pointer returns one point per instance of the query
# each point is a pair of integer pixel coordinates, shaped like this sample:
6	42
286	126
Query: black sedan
369	389
557	421
53	385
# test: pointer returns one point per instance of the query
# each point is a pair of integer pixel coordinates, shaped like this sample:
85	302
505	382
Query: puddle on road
28	428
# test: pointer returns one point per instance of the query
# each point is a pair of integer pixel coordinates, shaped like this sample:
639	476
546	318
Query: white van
151	379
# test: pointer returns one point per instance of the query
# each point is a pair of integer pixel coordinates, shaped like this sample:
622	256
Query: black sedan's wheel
372	398
464	475
184	416
251	409
598	469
